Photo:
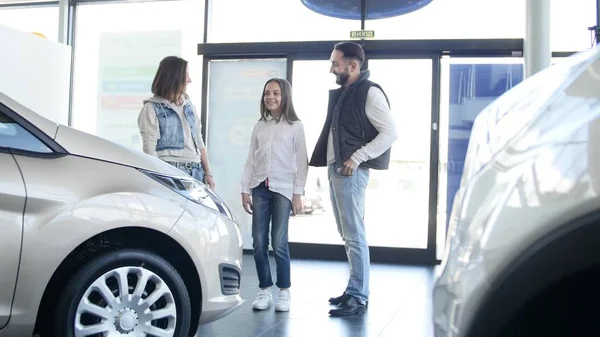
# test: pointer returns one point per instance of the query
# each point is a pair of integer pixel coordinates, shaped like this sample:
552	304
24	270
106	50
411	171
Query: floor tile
346	327
399	303
240	325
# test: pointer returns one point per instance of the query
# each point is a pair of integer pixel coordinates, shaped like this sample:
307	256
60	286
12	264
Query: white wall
36	73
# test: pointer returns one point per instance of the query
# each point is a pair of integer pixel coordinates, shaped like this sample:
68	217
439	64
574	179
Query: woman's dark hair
170	79
287	106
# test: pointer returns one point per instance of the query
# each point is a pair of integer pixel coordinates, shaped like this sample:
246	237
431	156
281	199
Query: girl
272	183
169	125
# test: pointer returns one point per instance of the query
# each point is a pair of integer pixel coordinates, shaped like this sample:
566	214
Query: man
357	136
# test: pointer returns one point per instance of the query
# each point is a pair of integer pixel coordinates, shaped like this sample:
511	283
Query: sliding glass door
398	200
434	100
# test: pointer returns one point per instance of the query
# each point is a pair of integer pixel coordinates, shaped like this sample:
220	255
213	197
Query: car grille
230	279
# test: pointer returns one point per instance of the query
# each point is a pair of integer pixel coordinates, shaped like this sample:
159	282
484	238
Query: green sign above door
362	34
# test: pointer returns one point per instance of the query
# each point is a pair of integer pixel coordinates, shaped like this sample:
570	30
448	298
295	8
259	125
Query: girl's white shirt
278	152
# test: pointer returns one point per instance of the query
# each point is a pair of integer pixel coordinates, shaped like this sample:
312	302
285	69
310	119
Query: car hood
87	145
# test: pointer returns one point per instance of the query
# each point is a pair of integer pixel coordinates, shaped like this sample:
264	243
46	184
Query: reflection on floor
400	304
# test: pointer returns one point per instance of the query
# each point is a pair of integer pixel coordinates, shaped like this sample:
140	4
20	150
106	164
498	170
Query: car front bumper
214	243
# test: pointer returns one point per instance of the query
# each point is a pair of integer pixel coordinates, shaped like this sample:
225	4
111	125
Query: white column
63	21
537	50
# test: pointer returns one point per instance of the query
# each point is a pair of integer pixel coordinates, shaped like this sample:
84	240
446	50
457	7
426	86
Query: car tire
86	302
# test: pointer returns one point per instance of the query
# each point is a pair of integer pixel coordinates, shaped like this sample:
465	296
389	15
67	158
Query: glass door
434	100
311	83
397	206
234	92
398	199
468	85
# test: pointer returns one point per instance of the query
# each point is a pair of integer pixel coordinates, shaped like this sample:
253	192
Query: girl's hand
296	204
247	202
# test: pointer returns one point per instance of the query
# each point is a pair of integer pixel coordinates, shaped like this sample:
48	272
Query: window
448	19
272	21
569	22
116	57
41	20
14	136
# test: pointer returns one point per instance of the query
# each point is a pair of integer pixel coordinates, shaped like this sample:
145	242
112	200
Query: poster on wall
235	92
127	65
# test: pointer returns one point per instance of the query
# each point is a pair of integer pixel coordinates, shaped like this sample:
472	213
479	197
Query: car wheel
128	292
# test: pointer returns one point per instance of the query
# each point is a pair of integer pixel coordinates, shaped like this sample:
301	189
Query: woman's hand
210	181
247	202
296	204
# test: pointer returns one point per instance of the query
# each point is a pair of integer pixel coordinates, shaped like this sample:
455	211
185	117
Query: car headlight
192	190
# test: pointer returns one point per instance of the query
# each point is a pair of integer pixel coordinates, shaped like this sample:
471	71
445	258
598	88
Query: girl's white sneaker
283	301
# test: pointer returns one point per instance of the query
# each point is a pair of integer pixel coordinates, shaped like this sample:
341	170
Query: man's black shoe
350	306
339	299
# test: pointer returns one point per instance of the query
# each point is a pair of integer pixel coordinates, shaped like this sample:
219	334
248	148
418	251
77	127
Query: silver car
523	249
100	240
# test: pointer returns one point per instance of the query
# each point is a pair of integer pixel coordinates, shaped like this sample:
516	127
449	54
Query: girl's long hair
287	106
170	79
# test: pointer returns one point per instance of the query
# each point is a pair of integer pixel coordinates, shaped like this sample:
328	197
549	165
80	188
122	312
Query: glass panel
569	22
311	84
400	192
468	86
449	19
116	57
234	94
397	211
273	20
41	20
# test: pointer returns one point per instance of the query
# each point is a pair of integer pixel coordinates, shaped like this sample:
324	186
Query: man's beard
342	78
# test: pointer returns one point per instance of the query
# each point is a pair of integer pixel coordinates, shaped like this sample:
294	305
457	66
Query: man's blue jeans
348	203
271	208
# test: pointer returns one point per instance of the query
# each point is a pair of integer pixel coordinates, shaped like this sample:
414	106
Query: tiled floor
399	305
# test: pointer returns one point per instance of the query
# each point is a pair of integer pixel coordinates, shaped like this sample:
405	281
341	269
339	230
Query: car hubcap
127	301
126	320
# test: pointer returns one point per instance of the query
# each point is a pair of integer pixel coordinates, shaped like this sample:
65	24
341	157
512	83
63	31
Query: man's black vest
350	127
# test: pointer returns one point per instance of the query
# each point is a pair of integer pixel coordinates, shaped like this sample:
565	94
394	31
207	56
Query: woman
272	184
169	124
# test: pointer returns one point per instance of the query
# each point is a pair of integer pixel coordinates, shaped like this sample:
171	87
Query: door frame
374	49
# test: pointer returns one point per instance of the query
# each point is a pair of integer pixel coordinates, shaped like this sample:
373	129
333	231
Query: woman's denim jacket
170	126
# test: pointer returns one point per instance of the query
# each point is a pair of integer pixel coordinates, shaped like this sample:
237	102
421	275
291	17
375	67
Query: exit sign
362	34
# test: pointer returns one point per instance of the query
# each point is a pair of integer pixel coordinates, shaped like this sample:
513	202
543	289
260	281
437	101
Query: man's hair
351	51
